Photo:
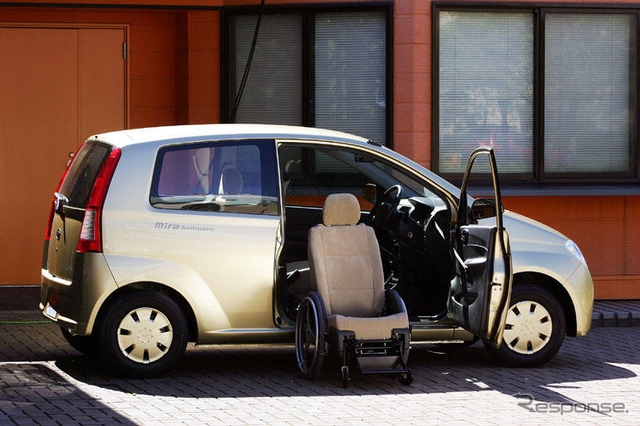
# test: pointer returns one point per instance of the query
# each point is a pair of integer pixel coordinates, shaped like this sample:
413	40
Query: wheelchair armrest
394	303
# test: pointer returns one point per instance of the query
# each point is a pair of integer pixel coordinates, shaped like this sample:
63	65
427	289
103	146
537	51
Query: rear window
83	172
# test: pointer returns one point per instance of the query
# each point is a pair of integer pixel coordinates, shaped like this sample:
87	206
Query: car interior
410	220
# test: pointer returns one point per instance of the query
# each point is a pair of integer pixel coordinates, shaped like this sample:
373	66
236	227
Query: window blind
486	89
273	92
589	100
350	73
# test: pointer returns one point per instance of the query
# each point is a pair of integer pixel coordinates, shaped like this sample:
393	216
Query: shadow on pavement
33	393
270	371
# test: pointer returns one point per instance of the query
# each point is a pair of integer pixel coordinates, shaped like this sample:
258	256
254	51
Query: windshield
83	172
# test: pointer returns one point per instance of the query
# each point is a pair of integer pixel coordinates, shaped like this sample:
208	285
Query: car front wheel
534	329
143	334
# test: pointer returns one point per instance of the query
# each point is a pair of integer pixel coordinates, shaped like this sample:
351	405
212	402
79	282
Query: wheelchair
350	315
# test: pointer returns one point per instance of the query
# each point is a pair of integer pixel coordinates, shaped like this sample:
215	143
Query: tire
534	330
143	335
87	345
345	376
310	340
406	378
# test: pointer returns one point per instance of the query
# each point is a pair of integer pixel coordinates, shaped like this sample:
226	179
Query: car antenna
247	68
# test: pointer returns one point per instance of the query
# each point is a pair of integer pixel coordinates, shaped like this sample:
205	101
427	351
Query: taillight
52	212
91	232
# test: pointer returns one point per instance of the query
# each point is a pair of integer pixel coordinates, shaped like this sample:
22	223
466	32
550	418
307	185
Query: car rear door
70	203
481	290
216	218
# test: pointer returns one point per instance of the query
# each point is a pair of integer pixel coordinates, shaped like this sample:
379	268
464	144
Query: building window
589	93
312	68
558	104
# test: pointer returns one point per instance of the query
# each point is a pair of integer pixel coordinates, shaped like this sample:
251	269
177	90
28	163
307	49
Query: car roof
212	132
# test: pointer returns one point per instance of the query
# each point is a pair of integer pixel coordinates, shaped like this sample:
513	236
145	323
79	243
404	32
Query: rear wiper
61	201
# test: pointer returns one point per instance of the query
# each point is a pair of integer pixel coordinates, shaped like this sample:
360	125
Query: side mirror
483	208
370	193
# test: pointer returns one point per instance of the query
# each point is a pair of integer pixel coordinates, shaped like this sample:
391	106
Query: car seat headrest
231	181
341	209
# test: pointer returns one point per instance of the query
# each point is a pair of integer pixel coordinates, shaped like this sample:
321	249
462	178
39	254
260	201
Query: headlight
573	248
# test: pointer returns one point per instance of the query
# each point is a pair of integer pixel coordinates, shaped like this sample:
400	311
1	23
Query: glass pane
236	178
590	89
83	172
273	92
486	89
310	174
350	73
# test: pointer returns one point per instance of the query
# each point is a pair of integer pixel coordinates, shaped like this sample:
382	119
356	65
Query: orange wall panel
152	116
58	86
199	73
151	53
152	93
632	235
606	229
153	37
38	128
103	105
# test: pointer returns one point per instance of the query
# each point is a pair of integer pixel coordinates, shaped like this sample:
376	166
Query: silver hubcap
528	327
145	335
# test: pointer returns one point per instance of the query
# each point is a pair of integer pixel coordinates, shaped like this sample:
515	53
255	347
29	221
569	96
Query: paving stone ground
592	380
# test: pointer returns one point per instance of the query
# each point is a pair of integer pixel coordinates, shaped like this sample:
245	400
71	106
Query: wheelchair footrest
378	362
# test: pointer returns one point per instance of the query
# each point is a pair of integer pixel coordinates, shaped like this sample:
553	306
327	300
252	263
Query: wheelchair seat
350	314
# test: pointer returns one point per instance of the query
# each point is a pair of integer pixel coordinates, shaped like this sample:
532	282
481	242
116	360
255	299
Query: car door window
310	173
230	177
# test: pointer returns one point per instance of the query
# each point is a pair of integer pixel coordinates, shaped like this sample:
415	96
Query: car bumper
74	304
581	284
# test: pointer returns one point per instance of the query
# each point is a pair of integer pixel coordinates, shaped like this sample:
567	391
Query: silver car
162	236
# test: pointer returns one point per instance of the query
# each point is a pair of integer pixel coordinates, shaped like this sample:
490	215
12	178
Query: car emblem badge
58	233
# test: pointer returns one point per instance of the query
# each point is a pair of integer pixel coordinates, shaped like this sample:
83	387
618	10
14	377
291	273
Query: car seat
350	314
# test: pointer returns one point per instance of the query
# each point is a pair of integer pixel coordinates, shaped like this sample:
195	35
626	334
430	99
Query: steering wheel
385	207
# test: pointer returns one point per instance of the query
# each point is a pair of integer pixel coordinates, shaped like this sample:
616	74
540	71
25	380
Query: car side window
230	177
310	173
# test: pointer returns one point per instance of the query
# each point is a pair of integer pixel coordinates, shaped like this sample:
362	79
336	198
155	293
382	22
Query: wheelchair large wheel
310	340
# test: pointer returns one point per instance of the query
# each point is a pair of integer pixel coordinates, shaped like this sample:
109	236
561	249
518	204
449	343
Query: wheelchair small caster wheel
345	376
406	378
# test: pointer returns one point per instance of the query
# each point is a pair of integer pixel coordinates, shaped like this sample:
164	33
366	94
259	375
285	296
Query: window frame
308	61
538	176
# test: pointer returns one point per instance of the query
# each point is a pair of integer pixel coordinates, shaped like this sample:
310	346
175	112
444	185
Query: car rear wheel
143	334
534	329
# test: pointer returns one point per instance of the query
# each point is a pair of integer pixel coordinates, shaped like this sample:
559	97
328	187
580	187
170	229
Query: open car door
480	292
